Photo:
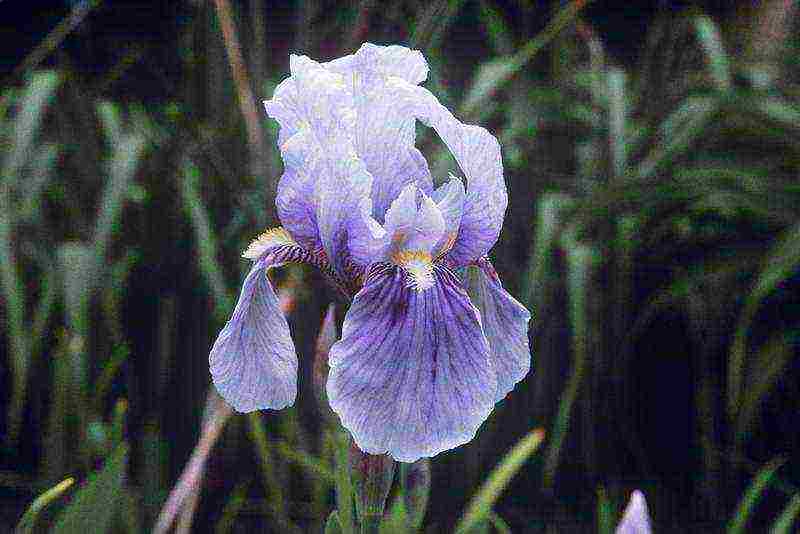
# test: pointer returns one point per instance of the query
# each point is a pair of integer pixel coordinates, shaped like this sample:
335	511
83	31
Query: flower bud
416	481
372	477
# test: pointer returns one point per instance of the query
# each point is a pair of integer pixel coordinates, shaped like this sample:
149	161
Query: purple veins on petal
412	375
253	361
505	323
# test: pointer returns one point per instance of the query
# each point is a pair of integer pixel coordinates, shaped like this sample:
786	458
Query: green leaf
205	239
753	494
344	485
780	263
28	520
333	525
783	525
617	119
480	506
711	41
582	262
771	360
38	93
550	212
494	74
235	503
315	467
605	513
499	524
397	520
678	133
95	504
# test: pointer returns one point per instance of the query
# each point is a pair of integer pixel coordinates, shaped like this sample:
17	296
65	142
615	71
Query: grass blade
28	520
710	39
480	507
582	261
781	262
95	504
783	525
39	90
753	494
494	74
344	486
232	508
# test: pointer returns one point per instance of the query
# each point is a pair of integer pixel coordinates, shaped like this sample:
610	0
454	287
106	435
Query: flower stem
370	523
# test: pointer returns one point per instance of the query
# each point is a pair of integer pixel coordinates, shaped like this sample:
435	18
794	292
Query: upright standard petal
478	155
384	130
296	205
345	183
412	375
253	361
449	198
505	322
392	60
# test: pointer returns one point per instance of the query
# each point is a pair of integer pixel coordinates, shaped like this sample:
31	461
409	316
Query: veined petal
393	60
296	205
412	375
283	107
367	239
253	361
505	323
478	155
384	129
346	182
414	224
449	199
323	100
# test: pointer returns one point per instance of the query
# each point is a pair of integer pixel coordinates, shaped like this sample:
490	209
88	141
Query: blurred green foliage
655	210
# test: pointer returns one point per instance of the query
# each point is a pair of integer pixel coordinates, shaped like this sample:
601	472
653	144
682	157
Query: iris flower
431	340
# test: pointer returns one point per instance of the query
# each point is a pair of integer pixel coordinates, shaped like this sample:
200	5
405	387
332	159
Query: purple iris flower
431	340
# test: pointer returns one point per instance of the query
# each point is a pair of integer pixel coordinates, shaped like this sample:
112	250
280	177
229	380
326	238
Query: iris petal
384	129
412	375
391	60
253	361
505	322
478	155
296	206
346	182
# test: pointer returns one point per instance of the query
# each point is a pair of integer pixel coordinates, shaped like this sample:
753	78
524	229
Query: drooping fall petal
412	375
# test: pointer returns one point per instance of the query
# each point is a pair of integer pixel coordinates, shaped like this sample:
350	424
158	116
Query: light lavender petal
449	197
346	183
636	519
384	130
393	60
505	322
296	205
411	375
478	155
253	361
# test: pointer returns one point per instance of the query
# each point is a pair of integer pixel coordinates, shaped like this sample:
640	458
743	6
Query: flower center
418	266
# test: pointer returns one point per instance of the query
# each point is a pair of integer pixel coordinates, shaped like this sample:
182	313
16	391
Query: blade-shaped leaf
480	506
95	504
